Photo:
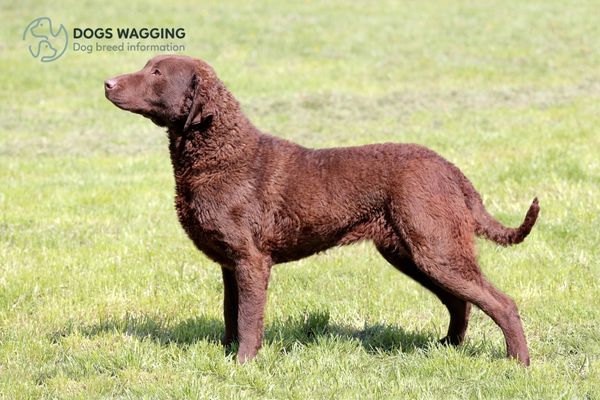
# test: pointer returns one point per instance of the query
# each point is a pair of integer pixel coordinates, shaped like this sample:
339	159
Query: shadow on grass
305	328
313	327
155	328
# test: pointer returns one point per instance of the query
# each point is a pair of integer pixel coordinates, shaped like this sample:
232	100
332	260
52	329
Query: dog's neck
224	142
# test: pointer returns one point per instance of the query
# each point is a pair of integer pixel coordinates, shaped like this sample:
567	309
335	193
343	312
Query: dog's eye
156	72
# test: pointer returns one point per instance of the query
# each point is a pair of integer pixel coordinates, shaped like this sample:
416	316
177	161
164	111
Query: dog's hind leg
459	309
428	212
445	253
477	290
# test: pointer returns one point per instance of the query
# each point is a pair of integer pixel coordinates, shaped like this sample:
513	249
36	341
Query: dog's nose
110	84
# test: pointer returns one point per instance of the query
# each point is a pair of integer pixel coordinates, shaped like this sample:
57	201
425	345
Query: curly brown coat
250	200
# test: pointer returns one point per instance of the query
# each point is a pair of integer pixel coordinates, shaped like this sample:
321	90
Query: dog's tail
488	227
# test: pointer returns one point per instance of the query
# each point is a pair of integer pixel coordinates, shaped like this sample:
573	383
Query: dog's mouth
120	102
126	105
117	101
111	92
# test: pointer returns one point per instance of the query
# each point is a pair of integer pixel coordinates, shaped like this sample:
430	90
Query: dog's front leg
252	278
230	306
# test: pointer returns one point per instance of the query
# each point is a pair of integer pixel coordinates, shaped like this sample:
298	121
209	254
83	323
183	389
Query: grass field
103	296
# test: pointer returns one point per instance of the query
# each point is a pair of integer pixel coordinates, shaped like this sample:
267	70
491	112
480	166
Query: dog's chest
200	215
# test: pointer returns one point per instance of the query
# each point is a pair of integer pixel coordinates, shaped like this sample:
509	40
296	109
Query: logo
44	42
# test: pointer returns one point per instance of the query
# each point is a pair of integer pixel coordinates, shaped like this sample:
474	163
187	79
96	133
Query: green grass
103	296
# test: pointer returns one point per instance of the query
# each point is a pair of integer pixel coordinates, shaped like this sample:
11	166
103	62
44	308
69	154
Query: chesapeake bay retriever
250	200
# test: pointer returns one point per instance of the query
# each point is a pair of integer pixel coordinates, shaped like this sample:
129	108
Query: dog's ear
203	106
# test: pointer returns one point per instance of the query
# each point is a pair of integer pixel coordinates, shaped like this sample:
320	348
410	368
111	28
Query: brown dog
250	200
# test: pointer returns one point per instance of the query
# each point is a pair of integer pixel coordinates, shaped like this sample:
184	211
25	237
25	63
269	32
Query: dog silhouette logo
44	42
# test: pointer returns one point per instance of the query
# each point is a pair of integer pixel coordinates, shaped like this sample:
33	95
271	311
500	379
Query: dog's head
173	91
